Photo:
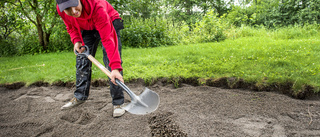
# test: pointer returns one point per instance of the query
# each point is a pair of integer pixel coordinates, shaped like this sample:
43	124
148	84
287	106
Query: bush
246	31
296	31
288	32
144	33
287	13
30	45
7	48
60	40
181	34
210	29
239	16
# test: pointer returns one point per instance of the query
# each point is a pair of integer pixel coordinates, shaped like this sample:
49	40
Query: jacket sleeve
71	29
108	36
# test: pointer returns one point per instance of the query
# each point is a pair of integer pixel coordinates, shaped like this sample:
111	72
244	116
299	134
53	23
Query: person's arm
109	40
73	32
108	36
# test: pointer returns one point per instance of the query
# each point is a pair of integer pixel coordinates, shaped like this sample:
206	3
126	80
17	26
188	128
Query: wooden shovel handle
99	65
108	73
92	59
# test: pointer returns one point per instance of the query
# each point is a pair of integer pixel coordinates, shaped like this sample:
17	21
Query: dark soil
223	107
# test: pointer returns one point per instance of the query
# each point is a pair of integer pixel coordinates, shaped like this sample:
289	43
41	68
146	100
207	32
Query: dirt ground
185	111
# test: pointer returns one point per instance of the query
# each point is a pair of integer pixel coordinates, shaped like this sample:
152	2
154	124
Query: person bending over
88	22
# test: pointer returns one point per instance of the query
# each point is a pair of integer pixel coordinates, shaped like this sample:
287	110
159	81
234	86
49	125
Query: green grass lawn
253	59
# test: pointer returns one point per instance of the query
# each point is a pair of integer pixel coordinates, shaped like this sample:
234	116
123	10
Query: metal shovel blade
145	103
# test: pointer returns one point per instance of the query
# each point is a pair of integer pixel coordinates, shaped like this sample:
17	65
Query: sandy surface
186	111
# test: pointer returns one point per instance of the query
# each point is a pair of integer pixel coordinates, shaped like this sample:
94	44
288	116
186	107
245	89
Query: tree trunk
46	40
43	36
40	35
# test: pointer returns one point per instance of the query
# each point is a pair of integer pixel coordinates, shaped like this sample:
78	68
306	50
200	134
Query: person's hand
115	74
77	47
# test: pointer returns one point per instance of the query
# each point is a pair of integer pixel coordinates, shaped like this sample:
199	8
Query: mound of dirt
162	124
185	111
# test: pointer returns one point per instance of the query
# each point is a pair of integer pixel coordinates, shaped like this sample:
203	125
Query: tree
287	12
41	13
183	10
191	11
120	5
144	8
8	21
220	6
8	24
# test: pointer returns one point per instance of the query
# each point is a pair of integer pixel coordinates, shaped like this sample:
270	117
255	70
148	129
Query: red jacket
96	15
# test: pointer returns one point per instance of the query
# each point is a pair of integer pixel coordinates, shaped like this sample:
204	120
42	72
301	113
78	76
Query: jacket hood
87	9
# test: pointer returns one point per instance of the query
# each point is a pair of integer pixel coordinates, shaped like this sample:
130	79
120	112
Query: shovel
145	103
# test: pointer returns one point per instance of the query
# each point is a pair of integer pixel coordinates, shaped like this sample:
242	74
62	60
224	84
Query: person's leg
83	73
83	65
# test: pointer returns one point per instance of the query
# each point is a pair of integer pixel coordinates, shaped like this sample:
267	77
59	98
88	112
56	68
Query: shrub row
155	32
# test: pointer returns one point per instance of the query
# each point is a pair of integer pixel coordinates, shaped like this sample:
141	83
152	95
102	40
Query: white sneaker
72	103
118	111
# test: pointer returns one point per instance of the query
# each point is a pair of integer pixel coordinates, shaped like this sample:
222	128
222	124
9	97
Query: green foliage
245	31
138	8
296	31
220	6
210	29
239	16
7	48
274	13
40	13
310	13
185	11
153	23
30	45
9	24
9	21
27	40
285	33
60	39
291	12
144	33
119	5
